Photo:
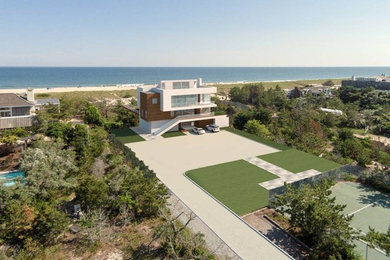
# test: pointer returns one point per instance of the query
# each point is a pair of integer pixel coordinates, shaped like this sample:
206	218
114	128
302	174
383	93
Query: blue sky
195	33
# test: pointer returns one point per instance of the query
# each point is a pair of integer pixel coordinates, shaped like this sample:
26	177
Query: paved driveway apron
170	158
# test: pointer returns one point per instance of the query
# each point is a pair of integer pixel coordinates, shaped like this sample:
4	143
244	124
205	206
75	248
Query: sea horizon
17	77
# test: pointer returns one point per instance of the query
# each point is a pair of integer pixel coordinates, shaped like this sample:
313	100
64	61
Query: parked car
212	128
198	131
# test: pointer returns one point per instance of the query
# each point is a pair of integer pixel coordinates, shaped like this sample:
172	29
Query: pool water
7	178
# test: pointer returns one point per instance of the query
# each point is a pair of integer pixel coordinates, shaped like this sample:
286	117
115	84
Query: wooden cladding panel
151	112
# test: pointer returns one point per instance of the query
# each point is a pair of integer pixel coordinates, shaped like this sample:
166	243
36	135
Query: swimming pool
7	178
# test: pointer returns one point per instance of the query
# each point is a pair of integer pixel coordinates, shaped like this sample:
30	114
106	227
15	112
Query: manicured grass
296	161
126	135
235	184
257	138
172	134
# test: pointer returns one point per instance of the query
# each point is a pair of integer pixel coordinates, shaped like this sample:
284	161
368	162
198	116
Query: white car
212	128
198	131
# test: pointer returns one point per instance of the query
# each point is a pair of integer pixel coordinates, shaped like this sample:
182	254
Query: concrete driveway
170	158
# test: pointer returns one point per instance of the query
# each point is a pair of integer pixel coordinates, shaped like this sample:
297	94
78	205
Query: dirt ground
258	221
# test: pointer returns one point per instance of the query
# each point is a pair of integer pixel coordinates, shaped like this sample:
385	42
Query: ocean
51	77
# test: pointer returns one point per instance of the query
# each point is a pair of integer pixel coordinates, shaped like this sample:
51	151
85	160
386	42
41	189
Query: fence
17	121
370	253
337	174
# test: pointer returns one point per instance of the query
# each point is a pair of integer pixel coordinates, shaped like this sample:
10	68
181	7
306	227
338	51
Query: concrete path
284	175
170	158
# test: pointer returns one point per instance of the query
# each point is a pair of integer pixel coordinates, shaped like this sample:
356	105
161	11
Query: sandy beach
72	89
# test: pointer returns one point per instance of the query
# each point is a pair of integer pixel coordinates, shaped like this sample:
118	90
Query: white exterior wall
222	121
152	126
166	97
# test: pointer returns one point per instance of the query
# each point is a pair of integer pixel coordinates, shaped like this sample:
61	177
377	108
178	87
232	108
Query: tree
80	142
92	192
381	240
237	95
49	169
125	116
30	224
241	118
177	240
93	116
263	115
328	83
318	220
255	127
142	195
59	130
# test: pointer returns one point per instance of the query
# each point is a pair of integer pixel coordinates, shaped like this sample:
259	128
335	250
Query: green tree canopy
49	169
319	221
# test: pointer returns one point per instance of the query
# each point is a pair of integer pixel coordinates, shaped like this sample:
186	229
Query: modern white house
177	104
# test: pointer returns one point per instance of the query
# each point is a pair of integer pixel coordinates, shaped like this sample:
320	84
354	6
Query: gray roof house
39	103
15	111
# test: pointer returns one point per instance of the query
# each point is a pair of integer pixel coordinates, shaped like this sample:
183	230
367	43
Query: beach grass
235	184
225	88
126	135
89	95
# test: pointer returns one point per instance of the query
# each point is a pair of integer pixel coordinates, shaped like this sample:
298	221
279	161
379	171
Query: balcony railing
16	121
194	104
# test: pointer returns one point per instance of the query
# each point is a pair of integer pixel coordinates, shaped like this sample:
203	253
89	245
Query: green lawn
296	161
235	184
257	138
173	134
126	135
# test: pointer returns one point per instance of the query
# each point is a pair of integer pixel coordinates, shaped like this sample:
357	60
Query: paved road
170	158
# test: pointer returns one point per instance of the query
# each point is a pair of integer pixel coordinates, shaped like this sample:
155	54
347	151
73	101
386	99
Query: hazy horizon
199	33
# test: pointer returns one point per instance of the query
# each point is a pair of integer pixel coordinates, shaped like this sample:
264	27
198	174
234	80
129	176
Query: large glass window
205	98
179	85
5	112
185	112
184	101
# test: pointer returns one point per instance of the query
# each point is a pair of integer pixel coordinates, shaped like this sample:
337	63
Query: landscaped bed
235	184
172	134
296	161
126	135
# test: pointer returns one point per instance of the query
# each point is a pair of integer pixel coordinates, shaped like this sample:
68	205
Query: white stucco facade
182	101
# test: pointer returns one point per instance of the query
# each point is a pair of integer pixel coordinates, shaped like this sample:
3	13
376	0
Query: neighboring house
177	104
378	82
332	111
294	93
15	111
40	103
317	90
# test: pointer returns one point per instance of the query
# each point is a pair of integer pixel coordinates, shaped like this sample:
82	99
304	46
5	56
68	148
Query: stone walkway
284	175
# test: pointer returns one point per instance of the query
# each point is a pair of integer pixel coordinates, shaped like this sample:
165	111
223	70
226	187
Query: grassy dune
89	95
283	84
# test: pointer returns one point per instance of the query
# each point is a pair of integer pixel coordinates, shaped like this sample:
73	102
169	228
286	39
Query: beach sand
71	89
